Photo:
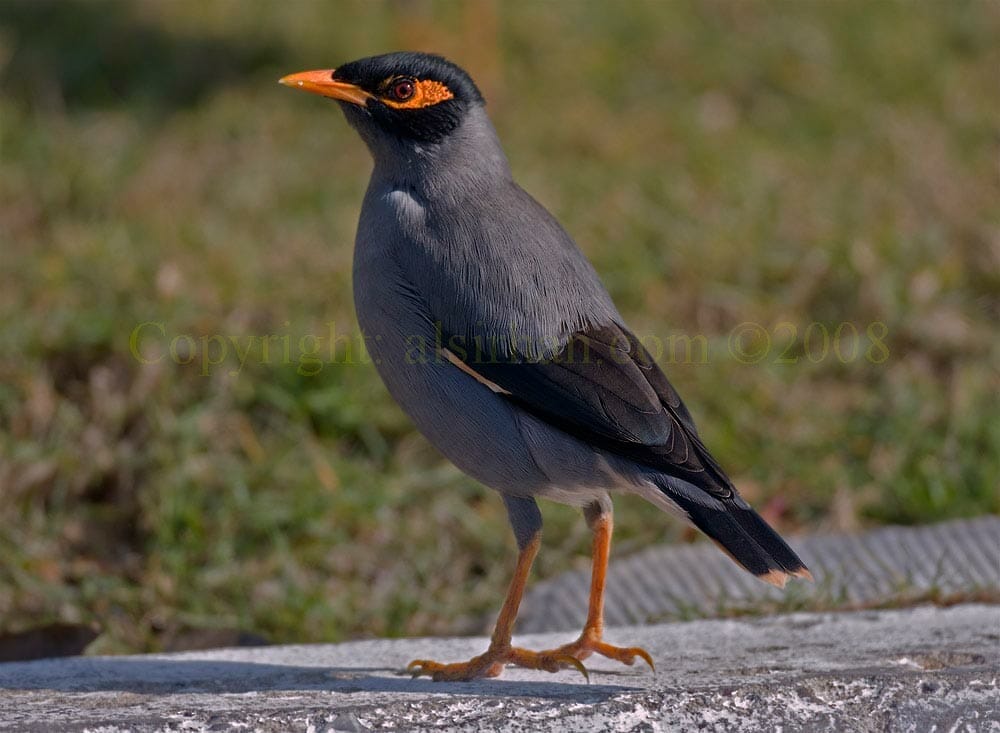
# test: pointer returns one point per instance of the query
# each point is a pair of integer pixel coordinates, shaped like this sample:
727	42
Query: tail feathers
743	535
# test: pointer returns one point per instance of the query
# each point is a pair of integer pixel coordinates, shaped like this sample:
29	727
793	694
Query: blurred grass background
720	163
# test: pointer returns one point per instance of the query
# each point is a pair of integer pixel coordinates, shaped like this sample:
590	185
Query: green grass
780	164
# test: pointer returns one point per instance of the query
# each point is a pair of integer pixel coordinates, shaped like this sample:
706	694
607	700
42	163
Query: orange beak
322	82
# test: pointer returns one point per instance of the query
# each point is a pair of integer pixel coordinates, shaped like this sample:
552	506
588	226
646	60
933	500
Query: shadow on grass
166	676
78	54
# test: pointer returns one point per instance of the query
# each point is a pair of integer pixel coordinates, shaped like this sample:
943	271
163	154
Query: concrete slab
916	669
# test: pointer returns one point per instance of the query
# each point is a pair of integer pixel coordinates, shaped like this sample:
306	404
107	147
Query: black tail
741	533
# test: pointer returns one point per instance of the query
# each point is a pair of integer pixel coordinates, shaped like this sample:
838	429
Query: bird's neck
468	161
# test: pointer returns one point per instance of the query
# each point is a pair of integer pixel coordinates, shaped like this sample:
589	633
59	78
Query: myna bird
495	335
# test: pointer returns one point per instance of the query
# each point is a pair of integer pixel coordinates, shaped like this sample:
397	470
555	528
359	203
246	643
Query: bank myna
495	335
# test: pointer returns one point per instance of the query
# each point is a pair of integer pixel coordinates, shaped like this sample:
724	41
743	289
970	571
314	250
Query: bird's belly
473	427
482	433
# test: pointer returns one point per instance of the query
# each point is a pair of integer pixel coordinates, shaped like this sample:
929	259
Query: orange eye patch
414	94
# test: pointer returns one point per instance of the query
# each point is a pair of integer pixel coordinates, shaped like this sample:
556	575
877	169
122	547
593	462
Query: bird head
404	97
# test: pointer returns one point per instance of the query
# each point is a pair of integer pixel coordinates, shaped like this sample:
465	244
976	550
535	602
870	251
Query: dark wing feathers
604	387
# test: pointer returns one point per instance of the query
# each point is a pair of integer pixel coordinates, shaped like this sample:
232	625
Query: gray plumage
451	255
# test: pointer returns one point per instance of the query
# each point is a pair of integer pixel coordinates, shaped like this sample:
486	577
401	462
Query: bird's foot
591	643
492	661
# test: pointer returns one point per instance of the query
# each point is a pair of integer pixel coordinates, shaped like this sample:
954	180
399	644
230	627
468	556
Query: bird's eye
402	90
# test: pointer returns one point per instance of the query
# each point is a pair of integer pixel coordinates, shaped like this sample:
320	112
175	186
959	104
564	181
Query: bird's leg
599	519
527	526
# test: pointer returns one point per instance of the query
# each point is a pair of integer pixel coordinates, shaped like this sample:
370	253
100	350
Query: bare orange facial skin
425	94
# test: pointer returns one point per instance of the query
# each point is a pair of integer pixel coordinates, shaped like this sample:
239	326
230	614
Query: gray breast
469	424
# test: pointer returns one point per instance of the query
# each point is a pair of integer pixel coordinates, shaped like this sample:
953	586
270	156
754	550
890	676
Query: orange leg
500	652
590	641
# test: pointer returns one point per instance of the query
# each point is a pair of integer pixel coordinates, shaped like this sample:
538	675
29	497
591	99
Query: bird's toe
475	668
587	645
492	662
550	661
625	655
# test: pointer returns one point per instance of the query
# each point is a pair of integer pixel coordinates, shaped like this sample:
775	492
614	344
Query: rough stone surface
894	565
918	669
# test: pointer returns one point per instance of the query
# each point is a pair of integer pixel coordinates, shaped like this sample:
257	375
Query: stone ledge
910	669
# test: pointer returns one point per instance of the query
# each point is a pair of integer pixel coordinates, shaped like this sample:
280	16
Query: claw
420	666
570	660
644	655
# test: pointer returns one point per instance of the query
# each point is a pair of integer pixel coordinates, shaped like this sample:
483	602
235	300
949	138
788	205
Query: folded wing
604	387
